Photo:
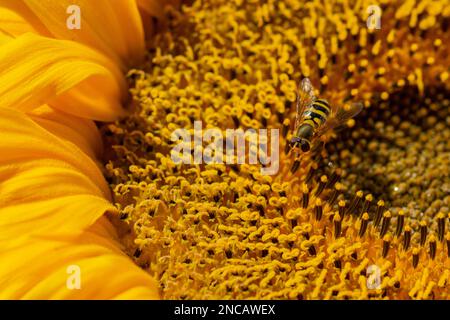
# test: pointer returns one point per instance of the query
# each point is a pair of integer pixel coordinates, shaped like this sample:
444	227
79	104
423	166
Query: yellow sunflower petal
44	267
52	209
16	18
151	7
48	182
4	38
79	131
37	70
102	26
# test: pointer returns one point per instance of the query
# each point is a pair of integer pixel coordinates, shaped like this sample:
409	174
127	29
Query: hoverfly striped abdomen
317	113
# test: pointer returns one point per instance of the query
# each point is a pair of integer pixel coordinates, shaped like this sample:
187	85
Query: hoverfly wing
341	116
305	96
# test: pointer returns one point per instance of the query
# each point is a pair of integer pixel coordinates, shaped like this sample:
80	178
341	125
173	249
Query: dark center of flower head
400	153
311	230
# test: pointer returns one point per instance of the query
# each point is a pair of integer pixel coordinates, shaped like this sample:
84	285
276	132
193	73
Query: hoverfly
314	117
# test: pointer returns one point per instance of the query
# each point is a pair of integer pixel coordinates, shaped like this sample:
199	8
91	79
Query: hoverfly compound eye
304	145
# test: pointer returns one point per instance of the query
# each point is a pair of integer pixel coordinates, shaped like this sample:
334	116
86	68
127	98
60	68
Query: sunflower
365	216
55	83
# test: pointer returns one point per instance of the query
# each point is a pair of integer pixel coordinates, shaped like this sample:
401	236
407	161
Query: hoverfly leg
295	164
287	148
